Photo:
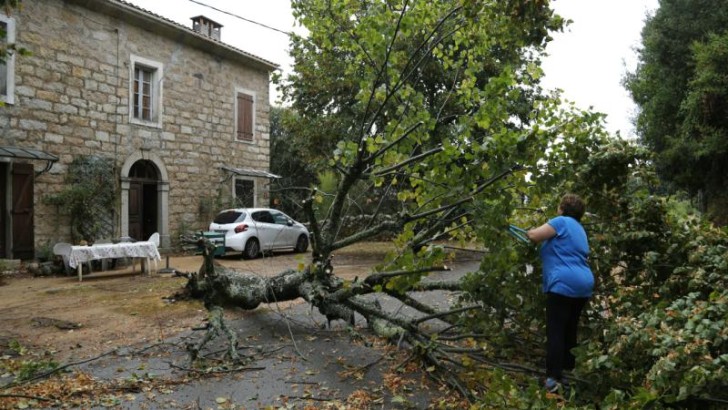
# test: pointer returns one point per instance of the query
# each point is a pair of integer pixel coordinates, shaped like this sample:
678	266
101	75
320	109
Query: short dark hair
572	205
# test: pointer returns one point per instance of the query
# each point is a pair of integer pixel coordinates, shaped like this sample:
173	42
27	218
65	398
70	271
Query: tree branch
448	313
408	161
396	141
469	198
379	278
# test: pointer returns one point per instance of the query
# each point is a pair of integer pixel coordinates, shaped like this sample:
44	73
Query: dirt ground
113	308
297	362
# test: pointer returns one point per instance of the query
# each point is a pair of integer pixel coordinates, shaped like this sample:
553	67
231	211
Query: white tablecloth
144	249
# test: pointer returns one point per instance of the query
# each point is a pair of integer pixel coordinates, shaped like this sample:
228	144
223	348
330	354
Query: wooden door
22	212
136	206
149	210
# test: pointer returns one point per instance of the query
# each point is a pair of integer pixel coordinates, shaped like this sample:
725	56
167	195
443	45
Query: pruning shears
518	233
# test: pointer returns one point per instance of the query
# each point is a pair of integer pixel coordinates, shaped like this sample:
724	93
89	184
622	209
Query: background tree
291	160
679	87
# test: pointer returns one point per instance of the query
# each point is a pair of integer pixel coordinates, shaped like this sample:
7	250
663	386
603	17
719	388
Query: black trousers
562	319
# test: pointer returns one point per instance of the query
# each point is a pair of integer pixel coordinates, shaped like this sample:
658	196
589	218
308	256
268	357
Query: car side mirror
289	222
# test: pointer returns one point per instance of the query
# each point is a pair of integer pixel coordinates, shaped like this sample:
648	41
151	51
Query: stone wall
73	99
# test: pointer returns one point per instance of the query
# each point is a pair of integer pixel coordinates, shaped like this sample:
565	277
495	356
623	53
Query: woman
568	283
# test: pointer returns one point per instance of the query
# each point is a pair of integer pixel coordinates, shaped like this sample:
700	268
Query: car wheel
301	244
252	249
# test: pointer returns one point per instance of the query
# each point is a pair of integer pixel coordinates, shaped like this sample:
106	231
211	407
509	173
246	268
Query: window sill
153	124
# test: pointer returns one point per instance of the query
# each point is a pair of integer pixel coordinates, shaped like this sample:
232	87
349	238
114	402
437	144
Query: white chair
63	250
154	238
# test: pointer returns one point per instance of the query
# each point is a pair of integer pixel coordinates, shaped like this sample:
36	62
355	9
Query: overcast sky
587	61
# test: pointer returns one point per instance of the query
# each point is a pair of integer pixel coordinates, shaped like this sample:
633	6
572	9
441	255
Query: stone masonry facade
73	99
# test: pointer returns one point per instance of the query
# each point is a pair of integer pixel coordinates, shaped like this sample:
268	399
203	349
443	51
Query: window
229	217
263	216
244	116
244	193
143	93
7	68
145	105
280	218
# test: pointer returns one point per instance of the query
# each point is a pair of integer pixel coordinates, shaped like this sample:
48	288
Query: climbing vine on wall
88	197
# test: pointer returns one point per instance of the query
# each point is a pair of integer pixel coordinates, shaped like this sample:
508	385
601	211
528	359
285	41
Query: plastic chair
63	250
154	238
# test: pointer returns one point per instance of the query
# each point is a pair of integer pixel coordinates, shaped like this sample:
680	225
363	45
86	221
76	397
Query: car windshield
228	217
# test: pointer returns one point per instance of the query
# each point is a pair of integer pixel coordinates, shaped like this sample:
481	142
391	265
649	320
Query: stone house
181	117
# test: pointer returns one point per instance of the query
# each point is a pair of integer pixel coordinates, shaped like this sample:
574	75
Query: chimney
206	27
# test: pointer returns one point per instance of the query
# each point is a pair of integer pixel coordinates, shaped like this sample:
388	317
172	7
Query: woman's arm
541	233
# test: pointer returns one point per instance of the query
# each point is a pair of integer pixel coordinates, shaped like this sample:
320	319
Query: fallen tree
428	114
221	288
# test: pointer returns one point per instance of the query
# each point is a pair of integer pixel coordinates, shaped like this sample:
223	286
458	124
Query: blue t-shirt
565	269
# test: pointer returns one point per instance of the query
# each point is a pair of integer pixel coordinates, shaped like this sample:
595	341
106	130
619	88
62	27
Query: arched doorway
145	197
143	202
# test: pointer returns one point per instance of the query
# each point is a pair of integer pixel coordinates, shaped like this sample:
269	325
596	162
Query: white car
255	230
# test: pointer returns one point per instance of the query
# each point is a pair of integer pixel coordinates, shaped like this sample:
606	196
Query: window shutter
245	117
3	66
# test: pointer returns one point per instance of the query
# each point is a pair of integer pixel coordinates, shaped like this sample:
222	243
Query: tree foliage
88	198
411	96
679	86
655	331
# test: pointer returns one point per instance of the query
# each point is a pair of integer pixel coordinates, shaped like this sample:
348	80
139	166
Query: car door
286	236
267	229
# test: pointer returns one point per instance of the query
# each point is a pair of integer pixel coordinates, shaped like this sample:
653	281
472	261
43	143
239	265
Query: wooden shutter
3	66
245	117
22	211
136	205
